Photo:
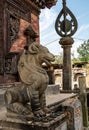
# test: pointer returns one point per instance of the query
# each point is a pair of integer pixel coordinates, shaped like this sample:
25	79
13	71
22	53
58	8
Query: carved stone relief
14	28
20	42
13	13
11	63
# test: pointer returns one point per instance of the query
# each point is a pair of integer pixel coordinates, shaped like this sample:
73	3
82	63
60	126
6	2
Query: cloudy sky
48	35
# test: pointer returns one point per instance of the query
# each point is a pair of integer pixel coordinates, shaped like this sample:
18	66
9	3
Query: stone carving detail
29	97
44	3
11	60
14	28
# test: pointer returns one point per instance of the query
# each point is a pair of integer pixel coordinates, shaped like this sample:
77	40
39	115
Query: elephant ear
33	48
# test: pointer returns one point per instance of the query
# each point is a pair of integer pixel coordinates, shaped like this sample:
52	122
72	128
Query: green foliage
83	51
58	59
74	59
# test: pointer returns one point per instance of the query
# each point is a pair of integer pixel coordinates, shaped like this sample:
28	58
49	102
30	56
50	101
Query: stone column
66	43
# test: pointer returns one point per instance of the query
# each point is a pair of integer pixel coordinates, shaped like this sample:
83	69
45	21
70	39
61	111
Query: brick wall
19	44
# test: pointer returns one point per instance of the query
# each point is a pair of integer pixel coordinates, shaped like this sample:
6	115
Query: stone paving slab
54	98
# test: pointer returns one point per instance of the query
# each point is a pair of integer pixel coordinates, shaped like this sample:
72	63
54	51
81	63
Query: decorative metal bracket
66	23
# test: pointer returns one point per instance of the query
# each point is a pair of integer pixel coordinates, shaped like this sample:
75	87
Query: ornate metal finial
66	23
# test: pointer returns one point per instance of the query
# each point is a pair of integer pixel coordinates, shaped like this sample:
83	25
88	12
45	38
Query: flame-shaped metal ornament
66	23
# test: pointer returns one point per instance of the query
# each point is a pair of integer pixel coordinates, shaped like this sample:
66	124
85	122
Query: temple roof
44	3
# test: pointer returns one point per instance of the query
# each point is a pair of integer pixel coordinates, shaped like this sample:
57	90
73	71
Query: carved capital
66	41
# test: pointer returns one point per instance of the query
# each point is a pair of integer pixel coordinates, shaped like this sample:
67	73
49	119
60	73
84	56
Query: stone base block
56	121
53	89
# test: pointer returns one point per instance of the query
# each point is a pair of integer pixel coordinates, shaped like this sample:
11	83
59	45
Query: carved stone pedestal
65	108
58	122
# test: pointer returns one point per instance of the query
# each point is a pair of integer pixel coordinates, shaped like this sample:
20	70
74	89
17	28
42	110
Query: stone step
8	128
51	121
13	125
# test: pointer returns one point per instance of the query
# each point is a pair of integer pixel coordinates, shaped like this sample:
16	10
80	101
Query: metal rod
64	14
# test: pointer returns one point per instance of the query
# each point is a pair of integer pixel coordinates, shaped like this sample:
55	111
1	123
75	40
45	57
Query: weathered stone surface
30	95
53	122
56	103
74	114
52	89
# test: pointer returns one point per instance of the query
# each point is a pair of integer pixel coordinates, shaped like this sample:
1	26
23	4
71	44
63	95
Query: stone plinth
49	122
61	105
52	89
74	114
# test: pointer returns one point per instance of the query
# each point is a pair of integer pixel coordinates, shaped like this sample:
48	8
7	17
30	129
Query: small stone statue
28	98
